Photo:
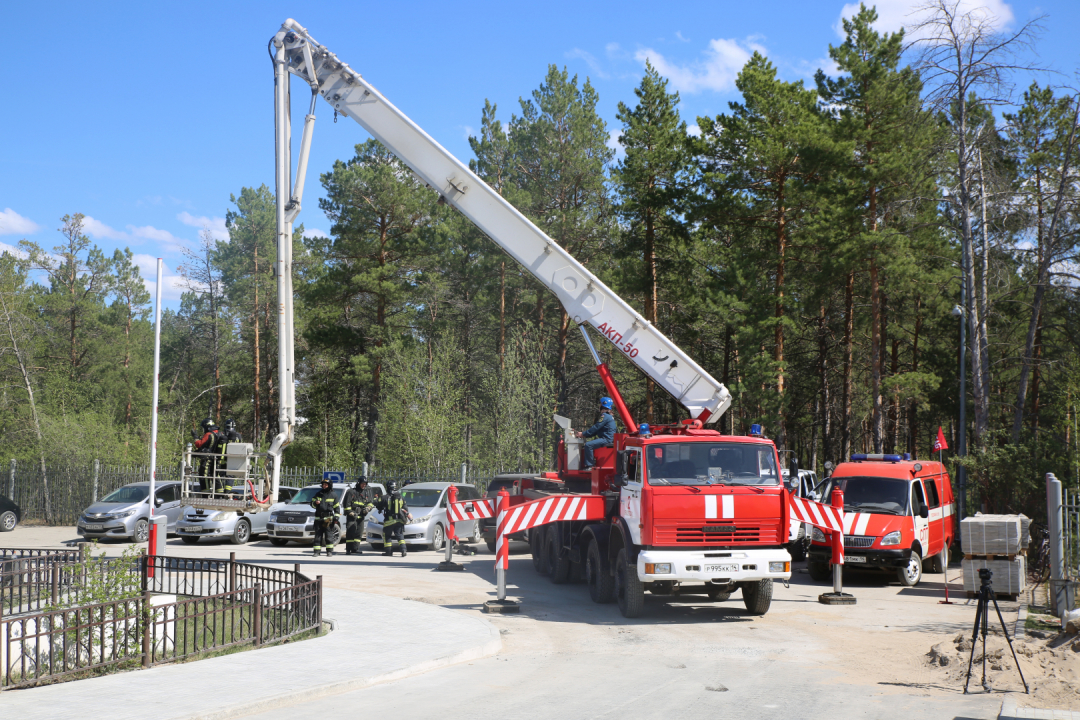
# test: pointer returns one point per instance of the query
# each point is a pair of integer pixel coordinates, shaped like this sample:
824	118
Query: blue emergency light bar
755	430
866	456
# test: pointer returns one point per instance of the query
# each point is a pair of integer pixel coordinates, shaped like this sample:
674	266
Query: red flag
940	443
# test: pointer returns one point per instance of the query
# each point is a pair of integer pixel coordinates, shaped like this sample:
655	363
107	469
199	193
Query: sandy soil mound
1051	667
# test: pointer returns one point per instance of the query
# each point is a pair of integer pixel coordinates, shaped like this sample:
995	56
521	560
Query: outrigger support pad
502	607
836	598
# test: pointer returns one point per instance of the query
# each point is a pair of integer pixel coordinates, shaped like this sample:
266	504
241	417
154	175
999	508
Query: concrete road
689	658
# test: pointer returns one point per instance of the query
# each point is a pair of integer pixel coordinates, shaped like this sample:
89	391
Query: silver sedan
427	504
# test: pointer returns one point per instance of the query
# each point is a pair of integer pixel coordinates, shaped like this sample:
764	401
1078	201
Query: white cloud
680	36
216	224
172	284
12	223
895	14
97	229
614	142
315	232
469	131
5	248
591	61
716	71
693	130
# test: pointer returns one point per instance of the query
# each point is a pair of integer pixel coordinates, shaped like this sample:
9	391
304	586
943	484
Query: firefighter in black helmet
231	433
395	512
208	448
356	508
326	516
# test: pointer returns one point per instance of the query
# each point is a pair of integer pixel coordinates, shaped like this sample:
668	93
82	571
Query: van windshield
703	463
885	496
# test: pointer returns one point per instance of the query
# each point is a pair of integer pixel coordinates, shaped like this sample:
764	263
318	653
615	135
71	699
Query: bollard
837	596
447	564
502	560
146	620
1059	588
256	622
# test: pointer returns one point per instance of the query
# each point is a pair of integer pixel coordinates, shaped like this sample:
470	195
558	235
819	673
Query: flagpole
945	565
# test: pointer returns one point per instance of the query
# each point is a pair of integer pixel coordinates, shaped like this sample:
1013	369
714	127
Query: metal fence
32	579
180	608
72	489
1071	525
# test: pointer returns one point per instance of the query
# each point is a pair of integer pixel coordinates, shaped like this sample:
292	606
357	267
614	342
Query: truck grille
711	535
858	541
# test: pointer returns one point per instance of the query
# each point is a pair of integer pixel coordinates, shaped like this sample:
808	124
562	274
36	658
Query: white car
295	520
238	528
427	503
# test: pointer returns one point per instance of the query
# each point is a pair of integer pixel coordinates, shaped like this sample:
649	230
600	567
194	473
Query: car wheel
189	539
278	542
8	521
558	565
911	574
538	547
718	594
478	532
757	596
629	591
819	571
142	531
375	545
438	537
241	533
334	536
601	583
491	545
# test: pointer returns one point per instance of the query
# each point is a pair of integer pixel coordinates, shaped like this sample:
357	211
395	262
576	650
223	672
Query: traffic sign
334	476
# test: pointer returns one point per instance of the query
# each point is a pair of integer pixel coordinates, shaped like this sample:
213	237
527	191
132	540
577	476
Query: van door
936	527
630	494
922	526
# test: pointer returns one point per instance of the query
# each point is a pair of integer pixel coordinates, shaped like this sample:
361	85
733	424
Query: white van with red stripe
898	515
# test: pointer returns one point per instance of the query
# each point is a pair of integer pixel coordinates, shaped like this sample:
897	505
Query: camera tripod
982	612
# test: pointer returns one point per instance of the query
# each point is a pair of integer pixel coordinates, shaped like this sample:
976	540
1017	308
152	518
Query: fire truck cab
899	515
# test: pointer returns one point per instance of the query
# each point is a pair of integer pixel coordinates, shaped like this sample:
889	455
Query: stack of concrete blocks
999	543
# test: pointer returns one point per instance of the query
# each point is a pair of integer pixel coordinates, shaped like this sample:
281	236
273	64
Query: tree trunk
825	419
778	355
502	315
650	305
849	359
913	410
257	428
875	356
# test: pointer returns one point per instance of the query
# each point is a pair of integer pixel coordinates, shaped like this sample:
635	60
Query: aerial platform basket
233	479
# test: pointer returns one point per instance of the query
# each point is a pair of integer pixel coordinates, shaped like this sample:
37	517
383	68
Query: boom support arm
586	299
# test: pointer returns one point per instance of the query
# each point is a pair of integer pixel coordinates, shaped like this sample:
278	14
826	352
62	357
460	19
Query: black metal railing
180	608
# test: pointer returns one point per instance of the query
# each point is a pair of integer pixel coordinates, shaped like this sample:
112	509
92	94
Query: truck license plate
95	526
722	568
855	558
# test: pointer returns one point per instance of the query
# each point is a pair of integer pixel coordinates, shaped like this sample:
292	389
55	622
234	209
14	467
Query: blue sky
147	116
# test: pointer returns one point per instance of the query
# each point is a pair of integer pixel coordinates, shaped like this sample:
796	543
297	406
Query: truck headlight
779	567
892	538
816	535
657	568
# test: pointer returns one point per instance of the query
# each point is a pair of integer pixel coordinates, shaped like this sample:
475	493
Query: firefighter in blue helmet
602	434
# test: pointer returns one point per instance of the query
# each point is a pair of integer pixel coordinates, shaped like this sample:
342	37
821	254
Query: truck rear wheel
757	596
601	583
537	545
558	564
629	590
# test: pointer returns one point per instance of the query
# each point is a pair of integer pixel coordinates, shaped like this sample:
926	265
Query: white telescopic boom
585	298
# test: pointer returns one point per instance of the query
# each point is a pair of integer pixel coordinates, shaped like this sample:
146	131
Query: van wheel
8	521
819	571
757	596
601	583
936	564
438	538
629	590
558	565
491	545
911	574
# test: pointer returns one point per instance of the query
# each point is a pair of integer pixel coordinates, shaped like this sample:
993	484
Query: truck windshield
704	463
884	496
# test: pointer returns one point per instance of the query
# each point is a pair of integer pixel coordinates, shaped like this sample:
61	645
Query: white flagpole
154	412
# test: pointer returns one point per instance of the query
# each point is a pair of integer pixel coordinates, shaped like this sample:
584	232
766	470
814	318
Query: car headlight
657	568
122	514
274	518
892	538
816	535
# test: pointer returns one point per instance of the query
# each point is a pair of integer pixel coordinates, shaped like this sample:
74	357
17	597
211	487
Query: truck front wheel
757	596
601	584
558	564
629	590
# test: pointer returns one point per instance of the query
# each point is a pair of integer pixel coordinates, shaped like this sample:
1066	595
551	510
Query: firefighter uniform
207	448
326	515
395	512
356	509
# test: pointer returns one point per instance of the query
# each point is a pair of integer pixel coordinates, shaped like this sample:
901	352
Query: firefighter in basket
235	485
602	434
356	509
395	512
208	447
326	516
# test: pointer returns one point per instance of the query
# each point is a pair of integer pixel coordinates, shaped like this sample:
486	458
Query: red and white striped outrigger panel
554	509
471	510
823	516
